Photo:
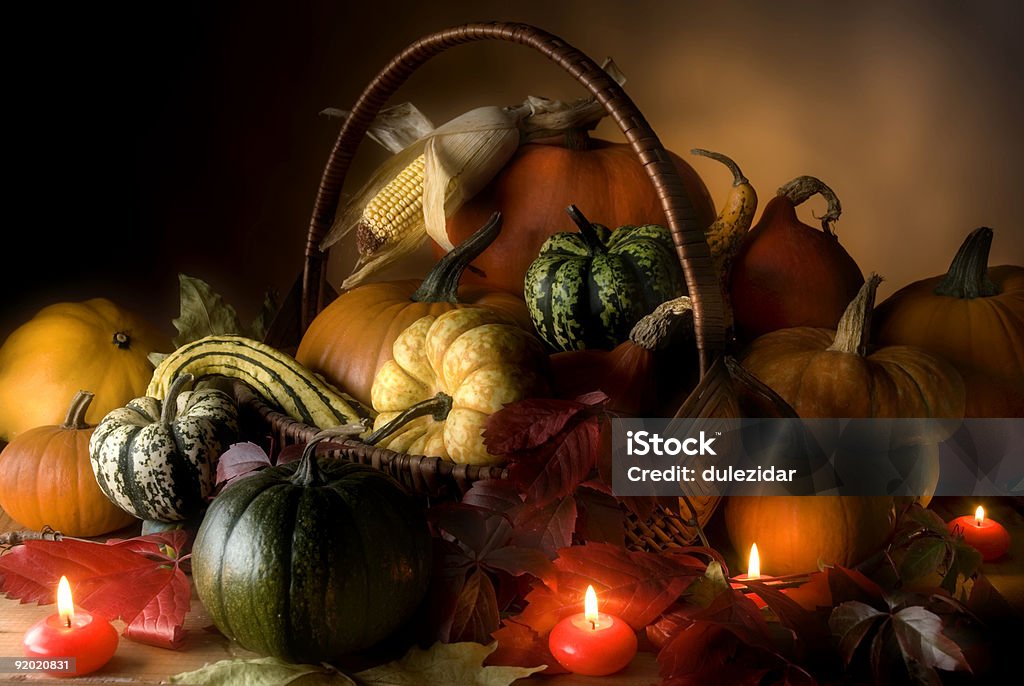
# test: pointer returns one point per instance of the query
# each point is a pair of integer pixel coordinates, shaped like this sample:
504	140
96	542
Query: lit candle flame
979	516
65	606
754	565
590	607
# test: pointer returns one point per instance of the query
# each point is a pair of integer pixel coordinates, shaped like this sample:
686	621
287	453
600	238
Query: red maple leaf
138	580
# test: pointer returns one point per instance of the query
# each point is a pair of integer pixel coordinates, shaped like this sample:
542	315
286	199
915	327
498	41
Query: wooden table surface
135	663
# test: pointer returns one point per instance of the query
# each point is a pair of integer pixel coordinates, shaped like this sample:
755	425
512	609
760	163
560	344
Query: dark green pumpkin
312	560
588	289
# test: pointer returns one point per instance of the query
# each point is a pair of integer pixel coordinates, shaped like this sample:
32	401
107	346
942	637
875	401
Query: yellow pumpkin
69	346
474	356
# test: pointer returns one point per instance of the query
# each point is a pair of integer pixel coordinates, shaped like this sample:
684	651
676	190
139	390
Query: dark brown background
182	137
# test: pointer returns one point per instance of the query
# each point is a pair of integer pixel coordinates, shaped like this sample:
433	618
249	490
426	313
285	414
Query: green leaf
923	557
850	623
703	591
269	308
964	565
264	671
920	637
203	312
444	664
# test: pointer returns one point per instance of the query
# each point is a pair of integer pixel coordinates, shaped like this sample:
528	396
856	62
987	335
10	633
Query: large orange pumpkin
352	338
974	317
93	344
46	479
824	373
603	179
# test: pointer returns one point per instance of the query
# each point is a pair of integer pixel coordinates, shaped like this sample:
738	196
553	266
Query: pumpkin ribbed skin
160	464
93	345
351	339
895	381
794	532
605	179
46	479
311	572
589	291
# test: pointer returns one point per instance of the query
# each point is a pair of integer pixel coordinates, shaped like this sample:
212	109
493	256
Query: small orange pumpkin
352	338
542	179
46	479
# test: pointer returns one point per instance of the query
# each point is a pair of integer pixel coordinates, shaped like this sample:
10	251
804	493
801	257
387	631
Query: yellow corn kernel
393	210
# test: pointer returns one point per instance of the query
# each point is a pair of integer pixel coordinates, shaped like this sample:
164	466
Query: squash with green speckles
312	560
588	289
158	461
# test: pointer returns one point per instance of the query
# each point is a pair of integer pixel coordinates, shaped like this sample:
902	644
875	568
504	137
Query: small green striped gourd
312	560
158	460
274	375
588	289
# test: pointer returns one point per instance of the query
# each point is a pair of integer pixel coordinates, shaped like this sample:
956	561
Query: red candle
71	633
753	572
592	643
987	536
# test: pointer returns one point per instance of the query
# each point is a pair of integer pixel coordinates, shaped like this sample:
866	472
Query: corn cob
393	210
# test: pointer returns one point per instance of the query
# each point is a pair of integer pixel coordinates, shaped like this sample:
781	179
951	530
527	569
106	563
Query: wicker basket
434	476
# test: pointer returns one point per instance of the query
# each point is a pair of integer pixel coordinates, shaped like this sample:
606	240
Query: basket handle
688	236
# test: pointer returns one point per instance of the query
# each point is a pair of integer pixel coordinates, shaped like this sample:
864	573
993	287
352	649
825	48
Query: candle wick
593	624
67	621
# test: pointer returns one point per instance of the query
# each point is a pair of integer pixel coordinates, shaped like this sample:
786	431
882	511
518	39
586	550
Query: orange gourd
642	374
352	338
972	316
46	479
542	179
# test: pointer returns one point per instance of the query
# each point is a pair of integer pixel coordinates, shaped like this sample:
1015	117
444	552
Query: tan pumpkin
972	316
352	338
823	373
93	344
604	179
46	479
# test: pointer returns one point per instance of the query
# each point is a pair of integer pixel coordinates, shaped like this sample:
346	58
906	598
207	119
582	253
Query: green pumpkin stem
854	329
308	472
738	179
967	277
442	283
587	231
170	409
803	187
75	418
438	407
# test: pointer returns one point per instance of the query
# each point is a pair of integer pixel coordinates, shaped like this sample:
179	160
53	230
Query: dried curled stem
13	538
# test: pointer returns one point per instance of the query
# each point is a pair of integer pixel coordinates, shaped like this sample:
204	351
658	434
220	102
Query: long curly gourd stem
803	187
738	179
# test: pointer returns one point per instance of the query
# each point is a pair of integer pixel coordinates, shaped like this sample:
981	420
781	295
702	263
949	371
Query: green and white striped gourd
587	289
158	460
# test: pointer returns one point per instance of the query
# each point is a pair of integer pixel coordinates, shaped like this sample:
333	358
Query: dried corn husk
460	158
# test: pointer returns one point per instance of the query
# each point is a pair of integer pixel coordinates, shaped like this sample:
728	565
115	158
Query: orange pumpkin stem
442	283
657	330
854	330
803	187
967	277
75	418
